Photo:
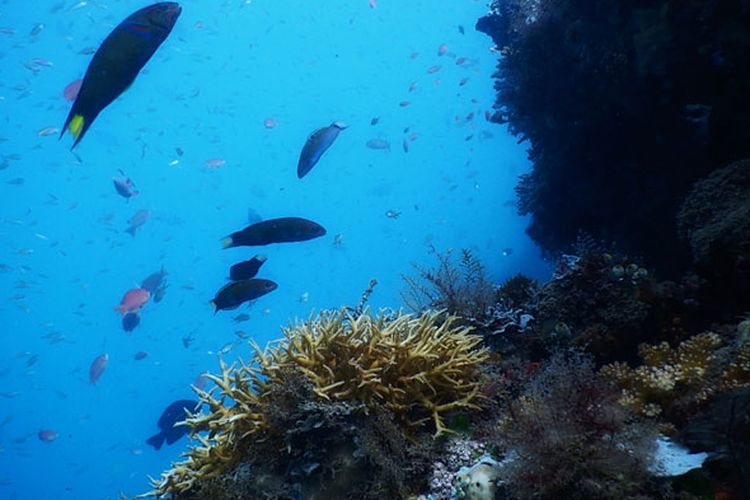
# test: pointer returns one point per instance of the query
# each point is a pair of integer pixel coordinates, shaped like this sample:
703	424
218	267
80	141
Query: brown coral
676	379
417	368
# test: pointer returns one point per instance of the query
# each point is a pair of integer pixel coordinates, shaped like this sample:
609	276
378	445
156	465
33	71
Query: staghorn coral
672	381
317	379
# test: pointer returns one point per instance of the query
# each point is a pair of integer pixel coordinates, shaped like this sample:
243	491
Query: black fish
130	321
246	269
232	295
154	281
118	61
173	414
282	230
317	144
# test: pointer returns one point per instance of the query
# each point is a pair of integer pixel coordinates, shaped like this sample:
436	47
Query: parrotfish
246	269
317	144
117	62
231	296
282	230
97	367
133	300
172	415
154	281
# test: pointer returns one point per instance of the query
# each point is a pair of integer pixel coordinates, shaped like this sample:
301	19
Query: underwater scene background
532	281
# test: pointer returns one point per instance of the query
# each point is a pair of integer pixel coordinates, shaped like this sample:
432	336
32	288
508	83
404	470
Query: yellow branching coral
420	368
689	374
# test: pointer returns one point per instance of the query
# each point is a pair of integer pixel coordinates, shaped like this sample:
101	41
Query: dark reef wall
625	105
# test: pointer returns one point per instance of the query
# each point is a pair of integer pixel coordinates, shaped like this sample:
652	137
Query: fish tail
216	307
227	242
156	440
120	308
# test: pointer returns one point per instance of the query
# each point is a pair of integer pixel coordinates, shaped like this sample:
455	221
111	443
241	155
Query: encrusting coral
676	379
419	369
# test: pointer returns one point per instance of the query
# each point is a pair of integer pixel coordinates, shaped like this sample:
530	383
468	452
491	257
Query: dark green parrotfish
118	61
168	430
317	144
246	269
231	296
282	230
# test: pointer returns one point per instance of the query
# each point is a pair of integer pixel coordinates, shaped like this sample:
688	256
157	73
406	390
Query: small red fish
463	81
71	90
97	367
214	163
442	49
405	145
47	435
403	104
460	60
372	3
412	86
140	355
133	300
201	380
433	69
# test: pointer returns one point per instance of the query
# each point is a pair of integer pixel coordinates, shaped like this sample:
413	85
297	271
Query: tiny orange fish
442	49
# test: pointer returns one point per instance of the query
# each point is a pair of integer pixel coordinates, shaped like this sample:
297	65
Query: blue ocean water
227	66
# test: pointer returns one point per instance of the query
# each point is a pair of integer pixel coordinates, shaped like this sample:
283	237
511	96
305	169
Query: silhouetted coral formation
625	106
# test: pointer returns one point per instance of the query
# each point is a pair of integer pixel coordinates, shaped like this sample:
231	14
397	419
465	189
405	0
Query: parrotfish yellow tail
226	242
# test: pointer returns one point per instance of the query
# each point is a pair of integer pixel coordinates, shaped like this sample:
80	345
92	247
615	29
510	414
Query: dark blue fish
281	230
231	296
118	61
246	269
130	321
173	414
154	281
317	144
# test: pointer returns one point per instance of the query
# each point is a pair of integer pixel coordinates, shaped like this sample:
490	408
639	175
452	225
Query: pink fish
372	3
140	355
47	435
136	221
125	187
97	367
442	49
412	86
71	90
270	123
405	145
214	163
434	69
133	300
460	60
463	81
403	104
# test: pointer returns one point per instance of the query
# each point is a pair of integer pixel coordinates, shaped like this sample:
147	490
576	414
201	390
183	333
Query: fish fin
157	440
227	242
120	308
216	307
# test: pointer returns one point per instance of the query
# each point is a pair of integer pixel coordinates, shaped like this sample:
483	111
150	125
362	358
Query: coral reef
675	381
569	438
624	106
715	220
338	395
460	287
